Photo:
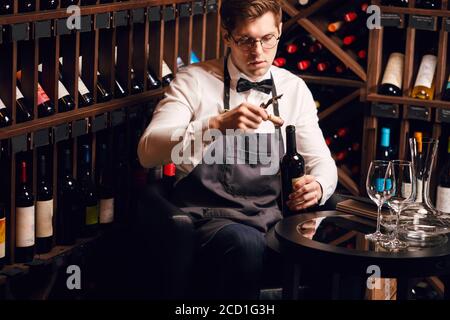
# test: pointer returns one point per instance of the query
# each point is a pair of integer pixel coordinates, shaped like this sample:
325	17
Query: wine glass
375	186
401	193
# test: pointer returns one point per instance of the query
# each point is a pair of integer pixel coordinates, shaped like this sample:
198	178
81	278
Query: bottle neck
291	143
23	173
385	139
42	168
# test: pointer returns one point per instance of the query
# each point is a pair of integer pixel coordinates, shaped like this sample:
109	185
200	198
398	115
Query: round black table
334	242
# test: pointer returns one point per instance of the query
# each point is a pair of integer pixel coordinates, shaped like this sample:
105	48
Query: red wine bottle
443	190
23	112
292	168
68	3
25	223
44	208
2	235
45	105
27	5
49	4
6	7
152	81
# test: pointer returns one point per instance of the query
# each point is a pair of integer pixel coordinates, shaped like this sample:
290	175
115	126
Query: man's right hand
246	117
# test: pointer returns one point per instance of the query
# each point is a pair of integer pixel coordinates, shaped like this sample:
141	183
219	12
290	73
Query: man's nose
257	47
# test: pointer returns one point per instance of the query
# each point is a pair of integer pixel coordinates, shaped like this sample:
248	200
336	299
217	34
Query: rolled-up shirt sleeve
173	123
311	145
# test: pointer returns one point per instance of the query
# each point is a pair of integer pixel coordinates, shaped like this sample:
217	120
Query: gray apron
216	195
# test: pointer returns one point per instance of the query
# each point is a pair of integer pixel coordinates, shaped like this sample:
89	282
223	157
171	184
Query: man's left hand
306	193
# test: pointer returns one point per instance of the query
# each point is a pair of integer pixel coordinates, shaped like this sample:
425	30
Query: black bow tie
263	86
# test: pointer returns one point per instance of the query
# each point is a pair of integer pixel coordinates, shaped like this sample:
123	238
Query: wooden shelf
408	101
415	11
81	113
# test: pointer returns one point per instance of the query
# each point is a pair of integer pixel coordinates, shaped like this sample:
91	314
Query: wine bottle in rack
103	95
152	81
136	87
425	81
89	193
65	101
70	209
397	3
49	4
23	112
429	4
292	168
105	187
6	7
5	118
44	207
45	105
385	151
391	84
4	195
27	5
446	91
85	97
167	75
443	190
25	218
68	3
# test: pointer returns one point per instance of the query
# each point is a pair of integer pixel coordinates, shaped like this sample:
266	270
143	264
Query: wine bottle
68	3
443	190
446	91
136	87
6	7
429	4
167	75
292	168
2	235
49	4
85	97
103	95
419	173
385	151
88	192
169	173
65	101
25	224
424	85
5	118
44	208
69	202
45	105
337	141
106	194
27	5
391	84
152	81
23	113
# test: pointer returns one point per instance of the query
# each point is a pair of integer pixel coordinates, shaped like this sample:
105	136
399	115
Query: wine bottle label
42	97
165	69
419	191
2	105
448	85
426	71
2	237
25	227
91	215
19	94
82	87
394	70
62	91
106	210
44	215
443	199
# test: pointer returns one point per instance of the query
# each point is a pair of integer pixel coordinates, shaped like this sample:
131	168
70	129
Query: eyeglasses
267	42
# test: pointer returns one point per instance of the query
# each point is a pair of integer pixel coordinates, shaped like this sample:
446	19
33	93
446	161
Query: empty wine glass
375	186
401	193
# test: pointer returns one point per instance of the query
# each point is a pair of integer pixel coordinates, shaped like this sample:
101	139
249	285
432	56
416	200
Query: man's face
254	60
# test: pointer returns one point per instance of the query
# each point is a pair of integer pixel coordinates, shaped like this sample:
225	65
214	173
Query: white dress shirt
196	94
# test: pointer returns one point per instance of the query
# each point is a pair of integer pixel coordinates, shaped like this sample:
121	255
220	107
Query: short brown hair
234	11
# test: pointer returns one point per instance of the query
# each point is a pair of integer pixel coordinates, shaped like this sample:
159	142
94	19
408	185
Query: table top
337	240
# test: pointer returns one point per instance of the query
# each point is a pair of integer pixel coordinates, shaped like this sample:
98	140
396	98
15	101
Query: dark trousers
230	264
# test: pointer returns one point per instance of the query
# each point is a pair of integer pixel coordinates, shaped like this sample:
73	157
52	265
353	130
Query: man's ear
225	36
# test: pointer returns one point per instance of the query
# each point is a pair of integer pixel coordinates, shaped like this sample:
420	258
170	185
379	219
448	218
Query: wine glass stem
396	225
379	218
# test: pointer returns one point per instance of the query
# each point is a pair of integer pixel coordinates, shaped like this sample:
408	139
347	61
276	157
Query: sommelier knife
277	121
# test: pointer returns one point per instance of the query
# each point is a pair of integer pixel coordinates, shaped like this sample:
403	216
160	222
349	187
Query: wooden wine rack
432	109
146	32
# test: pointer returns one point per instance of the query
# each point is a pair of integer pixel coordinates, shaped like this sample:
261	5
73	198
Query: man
233	205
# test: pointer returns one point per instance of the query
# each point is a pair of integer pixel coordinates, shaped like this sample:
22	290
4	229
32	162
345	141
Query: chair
169	232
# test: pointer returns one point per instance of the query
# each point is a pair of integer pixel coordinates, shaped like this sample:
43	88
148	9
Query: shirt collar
235	74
